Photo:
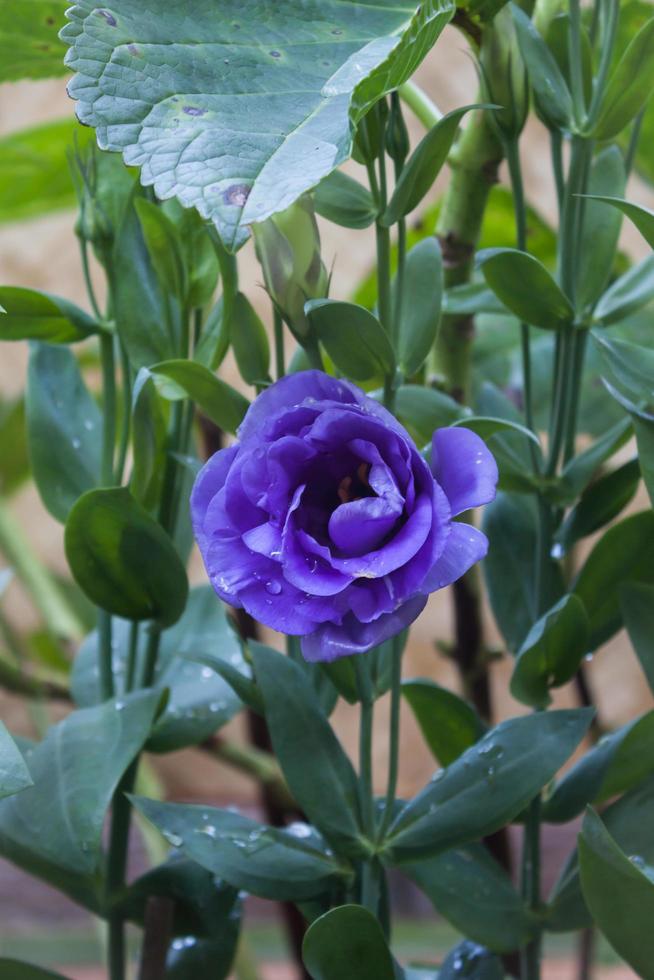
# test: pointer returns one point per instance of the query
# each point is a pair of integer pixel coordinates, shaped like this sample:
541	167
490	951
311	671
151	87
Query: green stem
608	42
556	148
123	445
634	138
109	408
531	954
394	736
280	357
150	658
229	276
575	62
420	104
132	657
117	855
365	747
84	253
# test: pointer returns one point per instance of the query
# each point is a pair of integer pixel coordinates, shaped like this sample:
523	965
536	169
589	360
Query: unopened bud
504	75
288	249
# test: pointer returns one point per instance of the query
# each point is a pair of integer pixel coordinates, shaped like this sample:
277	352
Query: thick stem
531	954
394	736
280	358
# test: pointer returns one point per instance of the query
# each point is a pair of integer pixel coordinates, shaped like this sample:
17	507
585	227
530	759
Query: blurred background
42	252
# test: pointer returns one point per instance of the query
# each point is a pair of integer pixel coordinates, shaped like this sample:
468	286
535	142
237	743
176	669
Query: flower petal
464	467
210	480
465	546
330	641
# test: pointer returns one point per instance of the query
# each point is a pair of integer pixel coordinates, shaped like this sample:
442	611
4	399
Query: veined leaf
220	111
14	774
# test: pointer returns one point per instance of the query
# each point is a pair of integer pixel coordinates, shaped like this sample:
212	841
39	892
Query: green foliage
420	313
347	938
29	43
28	315
354	338
526	288
449	724
220	402
14	774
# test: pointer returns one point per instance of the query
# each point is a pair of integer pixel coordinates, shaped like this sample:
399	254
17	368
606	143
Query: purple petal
464	467
465	546
361	525
210	480
329	642
306	563
293	390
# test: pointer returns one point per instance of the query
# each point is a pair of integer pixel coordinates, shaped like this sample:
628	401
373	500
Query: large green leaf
15	970
353	337
470	889
290	864
629	86
54	828
30	315
347	941
179	379
14	774
241	107
619	892
123	559
526	288
449	724
29	46
637	605
63	428
200	701
490	784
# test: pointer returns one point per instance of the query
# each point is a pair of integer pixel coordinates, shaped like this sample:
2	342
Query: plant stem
394	736
365	747
531	954
123	447
109	408
132	655
420	104
280	359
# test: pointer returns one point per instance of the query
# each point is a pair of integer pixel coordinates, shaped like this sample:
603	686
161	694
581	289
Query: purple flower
325	522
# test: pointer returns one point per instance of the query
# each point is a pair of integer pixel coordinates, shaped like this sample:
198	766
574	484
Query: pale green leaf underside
237	107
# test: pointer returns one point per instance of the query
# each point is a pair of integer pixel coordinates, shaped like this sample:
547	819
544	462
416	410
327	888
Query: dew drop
174	839
77	443
299	829
273	587
557	551
207	673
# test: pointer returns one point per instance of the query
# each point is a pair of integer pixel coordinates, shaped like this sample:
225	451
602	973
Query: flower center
356	487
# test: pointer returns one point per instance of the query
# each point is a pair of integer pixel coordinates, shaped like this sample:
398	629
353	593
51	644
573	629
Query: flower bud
397	135
504	75
288	249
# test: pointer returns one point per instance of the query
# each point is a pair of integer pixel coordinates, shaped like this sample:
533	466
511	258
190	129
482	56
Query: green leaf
54	829
123	559
14	457
225	101
622	555
473	961
487	786
601	226
487	427
187	379
237	675
164	248
291	865
63	426
644	432
189	957
14	774
198	252
249	342
526	288
600	503
15	970
618	762
347	941
214	340
475	894
471	298
423	166
631	364
30	315
549	85
199	700
327	790
423	410
499	419
637	605
579	471
353	337
629	86
511	524
421	305
343	200
627	294
551	653
449	724
641	217
29	41
149	440
619	893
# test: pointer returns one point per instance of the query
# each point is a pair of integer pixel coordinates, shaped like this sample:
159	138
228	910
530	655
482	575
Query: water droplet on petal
273	587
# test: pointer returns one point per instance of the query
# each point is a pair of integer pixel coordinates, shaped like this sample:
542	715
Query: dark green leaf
622	555
475	894
499	419
577	474
29	41
470	299
629	86
186	379
15	970
249	142
526	288
637	605
214	340
249	342
291	864
14	774
644	432
551	653
63	427
600	503
14	456
619	893
449	724
601	226
618	762
30	315
354	338
200	701
641	217
164	248
149	440
627	294
198	253
631	364
511	523
189	957
123	559
423	410
327	790
237	675
347	941
473	961
423	166
488	427
345	201
421	305
552	93
487	786
54	828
